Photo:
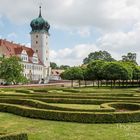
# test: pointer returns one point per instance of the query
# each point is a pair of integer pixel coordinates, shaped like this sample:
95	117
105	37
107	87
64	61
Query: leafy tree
130	57
101	55
11	70
53	65
64	67
73	73
132	65
116	71
86	76
135	70
95	70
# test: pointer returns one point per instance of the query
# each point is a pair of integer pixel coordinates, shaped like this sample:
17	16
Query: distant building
35	59
55	74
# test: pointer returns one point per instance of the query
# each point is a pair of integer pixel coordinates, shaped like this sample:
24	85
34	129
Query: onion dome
39	24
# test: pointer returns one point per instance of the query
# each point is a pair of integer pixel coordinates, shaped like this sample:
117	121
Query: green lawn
77	106
52	130
56	130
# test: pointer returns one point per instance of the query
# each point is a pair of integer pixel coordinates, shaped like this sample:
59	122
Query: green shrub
41	90
22	91
72	90
81	117
122	106
42	105
14	137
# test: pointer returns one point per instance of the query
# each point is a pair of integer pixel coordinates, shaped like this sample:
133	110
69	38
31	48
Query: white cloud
117	20
104	14
119	43
116	43
73	56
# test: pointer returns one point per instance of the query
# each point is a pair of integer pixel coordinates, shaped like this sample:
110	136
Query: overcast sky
78	27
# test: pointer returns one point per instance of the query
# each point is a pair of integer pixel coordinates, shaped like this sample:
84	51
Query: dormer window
24	56
35	58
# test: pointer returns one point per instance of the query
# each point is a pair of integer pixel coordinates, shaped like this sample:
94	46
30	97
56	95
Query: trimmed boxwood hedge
42	105
81	117
36	106
21	136
122	106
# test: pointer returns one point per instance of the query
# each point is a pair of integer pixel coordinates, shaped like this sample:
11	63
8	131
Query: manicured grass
56	130
52	130
77	106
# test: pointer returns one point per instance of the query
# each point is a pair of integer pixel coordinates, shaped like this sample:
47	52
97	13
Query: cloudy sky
78	27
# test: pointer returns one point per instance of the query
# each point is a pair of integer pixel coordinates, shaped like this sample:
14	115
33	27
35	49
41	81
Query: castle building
35	59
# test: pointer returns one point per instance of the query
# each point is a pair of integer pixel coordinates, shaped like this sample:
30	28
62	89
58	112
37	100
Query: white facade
34	72
39	43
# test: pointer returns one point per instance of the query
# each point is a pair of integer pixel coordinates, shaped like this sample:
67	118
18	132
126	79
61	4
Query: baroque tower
39	41
39	38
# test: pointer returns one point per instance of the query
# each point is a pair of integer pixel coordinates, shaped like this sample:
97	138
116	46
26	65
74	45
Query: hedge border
81	117
22	136
42	105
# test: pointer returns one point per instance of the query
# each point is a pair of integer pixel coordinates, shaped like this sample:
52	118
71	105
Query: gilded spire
40	11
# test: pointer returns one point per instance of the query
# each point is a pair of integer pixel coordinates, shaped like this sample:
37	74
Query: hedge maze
47	104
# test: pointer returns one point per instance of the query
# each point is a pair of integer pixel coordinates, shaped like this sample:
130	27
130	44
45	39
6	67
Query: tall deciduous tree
53	65
130	57
95	70
101	55
11	70
73	73
116	71
64	67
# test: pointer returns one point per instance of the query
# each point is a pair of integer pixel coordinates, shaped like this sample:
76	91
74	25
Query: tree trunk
98	84
126	83
85	83
106	83
93	83
111	84
114	81
79	83
71	83
123	83
119	83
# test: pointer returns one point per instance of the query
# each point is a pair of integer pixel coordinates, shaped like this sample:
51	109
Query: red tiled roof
11	49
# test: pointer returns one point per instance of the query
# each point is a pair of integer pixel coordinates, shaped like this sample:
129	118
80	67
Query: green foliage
82	117
130	57
95	70
115	71
101	55
64	67
73	73
53	65
114	109
134	68
11	70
